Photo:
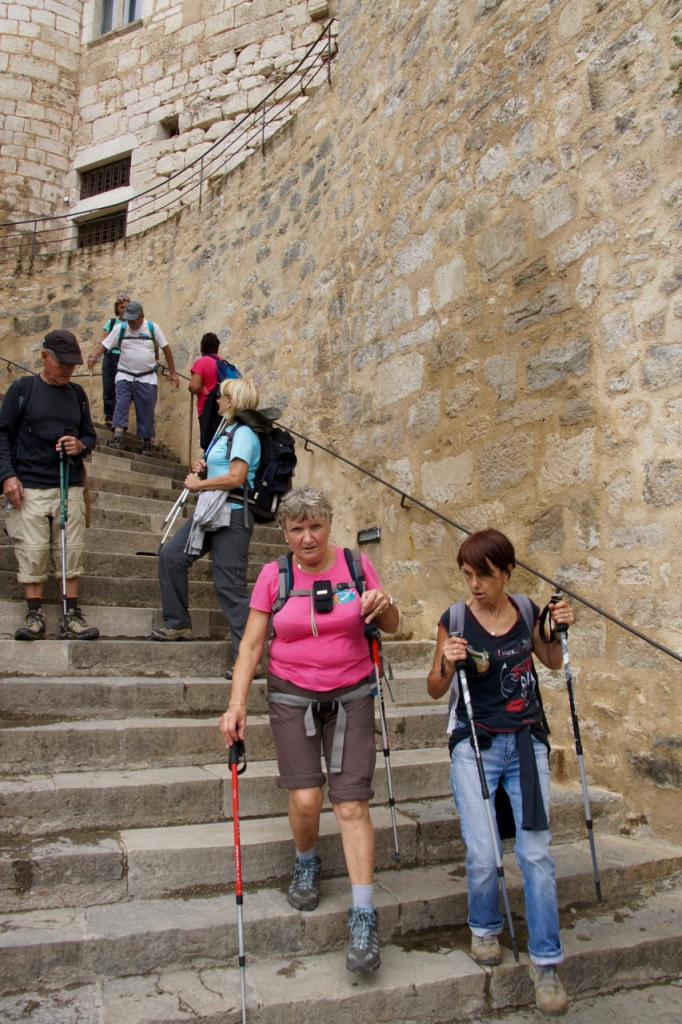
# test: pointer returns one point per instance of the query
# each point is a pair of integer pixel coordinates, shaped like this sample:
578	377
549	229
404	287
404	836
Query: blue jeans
501	763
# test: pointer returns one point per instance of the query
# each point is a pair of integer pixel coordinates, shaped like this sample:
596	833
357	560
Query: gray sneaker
166	633
363	955
550	994
486	950
304	891
33	627
74	627
116	442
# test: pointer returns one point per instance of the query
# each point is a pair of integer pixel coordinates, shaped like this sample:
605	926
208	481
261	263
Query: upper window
104	178
116	13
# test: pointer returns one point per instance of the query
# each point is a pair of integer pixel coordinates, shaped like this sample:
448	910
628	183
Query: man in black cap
139	342
39	415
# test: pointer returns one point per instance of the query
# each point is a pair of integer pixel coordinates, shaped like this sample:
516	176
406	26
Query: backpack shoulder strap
526	609
285	577
122	333
456	617
152	334
25	393
357	573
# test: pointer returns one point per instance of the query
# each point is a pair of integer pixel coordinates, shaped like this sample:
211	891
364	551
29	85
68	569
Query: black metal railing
38	235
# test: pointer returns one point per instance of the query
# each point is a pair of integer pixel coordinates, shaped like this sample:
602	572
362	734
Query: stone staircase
116	862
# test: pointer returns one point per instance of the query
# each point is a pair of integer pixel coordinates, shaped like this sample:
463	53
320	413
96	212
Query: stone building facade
460	266
88	83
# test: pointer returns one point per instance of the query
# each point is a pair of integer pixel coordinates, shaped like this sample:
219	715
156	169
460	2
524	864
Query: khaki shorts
299	756
35	533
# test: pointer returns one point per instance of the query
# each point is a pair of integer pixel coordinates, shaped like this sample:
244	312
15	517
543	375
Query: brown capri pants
299	756
34	532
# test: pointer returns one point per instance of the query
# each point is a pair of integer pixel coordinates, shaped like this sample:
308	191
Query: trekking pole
485	793
236	757
561	629
374	636
170	520
63	515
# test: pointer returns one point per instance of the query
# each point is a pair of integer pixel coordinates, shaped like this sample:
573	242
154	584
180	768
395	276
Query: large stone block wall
39	57
176	82
461	268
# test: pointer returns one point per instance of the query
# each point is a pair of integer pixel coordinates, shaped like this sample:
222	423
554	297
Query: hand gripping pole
374	638
561	629
170	520
485	793
237	761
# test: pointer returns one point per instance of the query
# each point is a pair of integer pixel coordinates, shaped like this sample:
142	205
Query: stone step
150	658
103	467
438	983
189	860
123	512
41	805
85	945
120	566
127	460
114	621
103	539
26	699
114	657
129	743
133	445
136	591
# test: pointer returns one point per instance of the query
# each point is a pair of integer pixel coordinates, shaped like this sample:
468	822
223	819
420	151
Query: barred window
117	13
104	178
103	230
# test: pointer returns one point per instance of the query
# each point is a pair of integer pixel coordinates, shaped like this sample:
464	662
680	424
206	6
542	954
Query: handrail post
34	242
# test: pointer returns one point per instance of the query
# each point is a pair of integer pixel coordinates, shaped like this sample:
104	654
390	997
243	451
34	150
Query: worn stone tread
46	947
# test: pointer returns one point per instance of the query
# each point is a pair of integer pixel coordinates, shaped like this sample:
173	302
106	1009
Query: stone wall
461	268
39	56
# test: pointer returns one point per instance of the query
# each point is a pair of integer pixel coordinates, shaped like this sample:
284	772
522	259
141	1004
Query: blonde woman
217	525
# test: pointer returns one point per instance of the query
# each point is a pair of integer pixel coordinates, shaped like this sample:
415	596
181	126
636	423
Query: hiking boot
166	633
363	955
486	950
550	994
304	891
74	627
116	442
147	448
33	627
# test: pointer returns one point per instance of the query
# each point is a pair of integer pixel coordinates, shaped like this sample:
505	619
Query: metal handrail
405	497
246	133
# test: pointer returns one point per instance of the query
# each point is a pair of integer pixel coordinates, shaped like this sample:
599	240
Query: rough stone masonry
461	266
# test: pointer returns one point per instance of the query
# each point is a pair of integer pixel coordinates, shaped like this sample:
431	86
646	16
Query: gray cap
133	311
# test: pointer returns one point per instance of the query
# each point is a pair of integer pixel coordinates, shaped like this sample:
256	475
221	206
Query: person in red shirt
204	380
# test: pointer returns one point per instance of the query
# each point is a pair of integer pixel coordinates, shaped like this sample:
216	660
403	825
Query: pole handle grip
558	627
236	755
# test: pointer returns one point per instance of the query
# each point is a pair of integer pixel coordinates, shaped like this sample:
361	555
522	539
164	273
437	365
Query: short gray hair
304	503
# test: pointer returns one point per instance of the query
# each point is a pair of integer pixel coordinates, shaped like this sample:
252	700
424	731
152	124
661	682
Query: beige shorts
35	533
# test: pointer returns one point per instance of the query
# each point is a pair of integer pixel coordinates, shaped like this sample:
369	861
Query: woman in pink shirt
319	659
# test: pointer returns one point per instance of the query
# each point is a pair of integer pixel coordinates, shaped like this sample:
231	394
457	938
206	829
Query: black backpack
276	467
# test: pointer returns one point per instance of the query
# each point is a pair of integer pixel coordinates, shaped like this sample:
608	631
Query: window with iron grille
103	230
104	178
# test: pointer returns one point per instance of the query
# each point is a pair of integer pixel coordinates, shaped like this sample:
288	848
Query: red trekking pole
236	759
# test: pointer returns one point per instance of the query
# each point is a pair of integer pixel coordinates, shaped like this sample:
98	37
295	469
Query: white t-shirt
137	351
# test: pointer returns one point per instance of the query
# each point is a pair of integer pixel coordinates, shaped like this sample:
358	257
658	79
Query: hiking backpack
224	370
276	467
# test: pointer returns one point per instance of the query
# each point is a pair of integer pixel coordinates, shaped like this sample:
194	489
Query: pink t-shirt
207	368
339	655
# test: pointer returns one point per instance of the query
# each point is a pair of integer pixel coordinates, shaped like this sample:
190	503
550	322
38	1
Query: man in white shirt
136	378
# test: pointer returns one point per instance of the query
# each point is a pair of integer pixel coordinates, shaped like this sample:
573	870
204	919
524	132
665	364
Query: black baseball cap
64	347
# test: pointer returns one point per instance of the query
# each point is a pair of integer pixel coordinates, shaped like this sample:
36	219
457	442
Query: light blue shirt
245	446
